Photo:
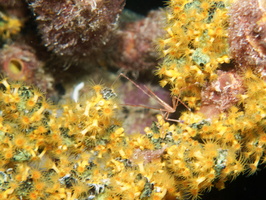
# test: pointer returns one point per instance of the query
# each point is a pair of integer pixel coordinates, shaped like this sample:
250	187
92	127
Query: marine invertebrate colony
41	155
192	55
76	28
79	150
194	46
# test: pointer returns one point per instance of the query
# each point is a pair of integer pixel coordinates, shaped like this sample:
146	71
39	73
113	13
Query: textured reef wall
212	58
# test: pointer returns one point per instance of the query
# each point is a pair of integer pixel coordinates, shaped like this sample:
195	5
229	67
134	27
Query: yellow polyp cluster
80	150
41	145
9	26
73	151
203	153
195	45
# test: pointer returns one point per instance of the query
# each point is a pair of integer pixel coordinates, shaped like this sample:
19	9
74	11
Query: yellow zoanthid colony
195	45
47	151
80	150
